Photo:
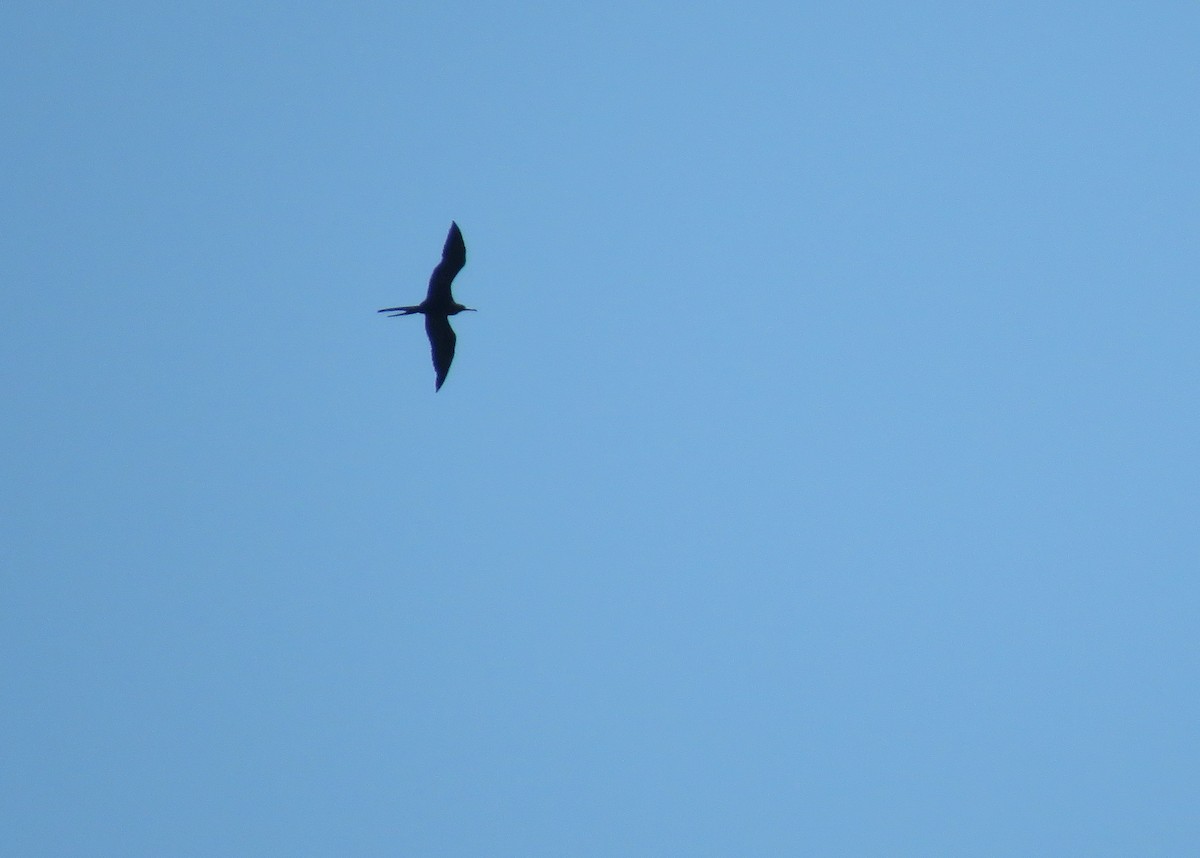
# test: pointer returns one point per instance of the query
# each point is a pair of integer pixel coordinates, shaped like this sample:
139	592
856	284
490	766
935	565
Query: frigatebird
439	305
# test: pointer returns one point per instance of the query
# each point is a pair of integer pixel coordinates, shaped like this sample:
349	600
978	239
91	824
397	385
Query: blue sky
818	477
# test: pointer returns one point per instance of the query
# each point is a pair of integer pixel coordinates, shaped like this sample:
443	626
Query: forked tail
401	311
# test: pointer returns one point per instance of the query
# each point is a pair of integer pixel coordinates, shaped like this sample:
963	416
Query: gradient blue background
818	477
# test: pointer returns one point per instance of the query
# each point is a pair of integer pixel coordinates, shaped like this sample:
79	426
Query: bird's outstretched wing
441	344
454	257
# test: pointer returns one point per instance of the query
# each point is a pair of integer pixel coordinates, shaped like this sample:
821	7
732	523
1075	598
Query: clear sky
819	475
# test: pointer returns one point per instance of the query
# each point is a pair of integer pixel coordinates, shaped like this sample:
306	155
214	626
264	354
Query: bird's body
439	304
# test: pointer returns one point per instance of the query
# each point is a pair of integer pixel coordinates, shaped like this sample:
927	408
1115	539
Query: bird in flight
439	305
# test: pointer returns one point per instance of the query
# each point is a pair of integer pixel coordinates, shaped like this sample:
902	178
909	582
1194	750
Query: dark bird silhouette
439	305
